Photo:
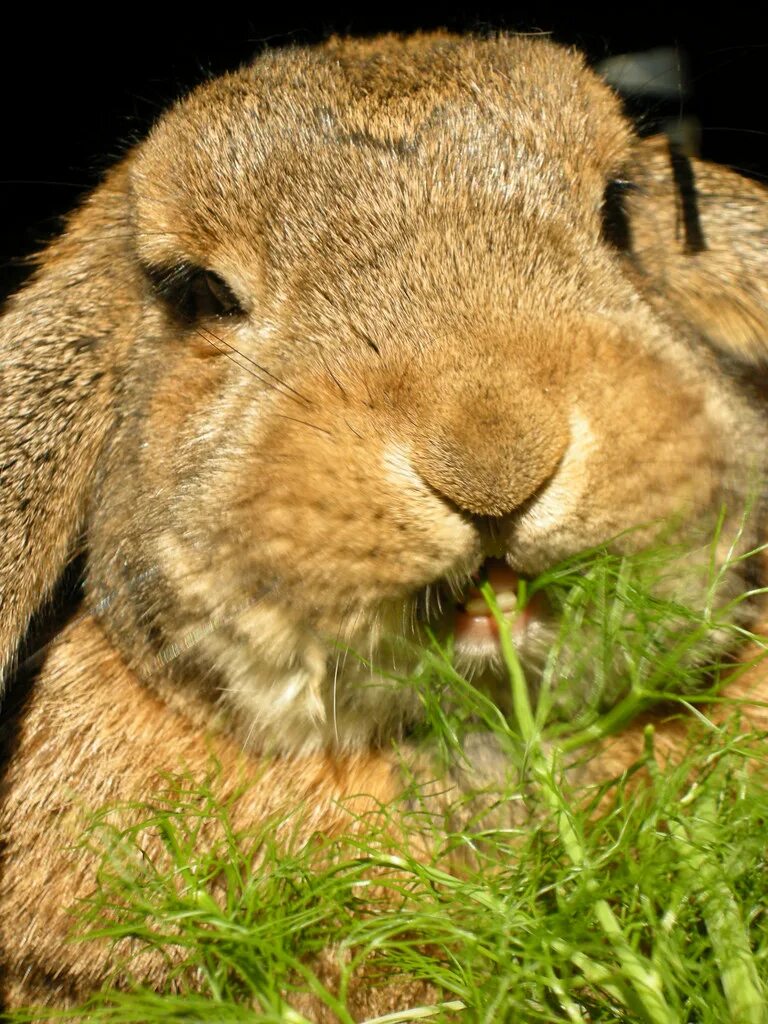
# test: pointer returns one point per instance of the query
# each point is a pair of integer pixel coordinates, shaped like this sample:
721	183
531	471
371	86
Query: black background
78	88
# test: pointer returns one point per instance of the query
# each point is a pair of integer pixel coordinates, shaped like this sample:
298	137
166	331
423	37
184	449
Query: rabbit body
347	324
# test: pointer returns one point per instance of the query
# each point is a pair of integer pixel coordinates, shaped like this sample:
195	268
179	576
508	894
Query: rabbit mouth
466	615
474	622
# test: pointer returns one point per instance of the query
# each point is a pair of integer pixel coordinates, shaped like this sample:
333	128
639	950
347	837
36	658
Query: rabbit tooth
507	601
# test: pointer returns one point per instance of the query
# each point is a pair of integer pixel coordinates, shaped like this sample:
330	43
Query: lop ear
698	234
61	340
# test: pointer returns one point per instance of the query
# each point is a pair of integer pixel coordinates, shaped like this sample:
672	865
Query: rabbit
351	324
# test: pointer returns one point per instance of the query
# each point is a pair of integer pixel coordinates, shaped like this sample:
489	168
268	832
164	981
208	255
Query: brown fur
440	359
63	733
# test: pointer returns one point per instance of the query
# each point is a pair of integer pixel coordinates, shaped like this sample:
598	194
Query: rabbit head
349	323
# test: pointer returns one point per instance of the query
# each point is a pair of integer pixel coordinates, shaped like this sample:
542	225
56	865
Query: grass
635	904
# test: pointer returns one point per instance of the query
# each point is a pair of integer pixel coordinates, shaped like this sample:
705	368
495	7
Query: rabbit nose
489	460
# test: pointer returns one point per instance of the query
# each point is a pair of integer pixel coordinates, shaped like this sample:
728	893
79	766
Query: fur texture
349	322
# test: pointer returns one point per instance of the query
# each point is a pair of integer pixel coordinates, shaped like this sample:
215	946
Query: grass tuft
647	904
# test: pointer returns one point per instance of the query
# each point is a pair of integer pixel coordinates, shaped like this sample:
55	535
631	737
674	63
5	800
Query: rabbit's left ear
698	235
62	340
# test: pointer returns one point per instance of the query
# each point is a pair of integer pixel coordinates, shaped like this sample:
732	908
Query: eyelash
194	293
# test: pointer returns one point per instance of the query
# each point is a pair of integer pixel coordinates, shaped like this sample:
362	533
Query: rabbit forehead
262	157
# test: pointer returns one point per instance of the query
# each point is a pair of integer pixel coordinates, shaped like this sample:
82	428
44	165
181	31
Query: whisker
336	672
291	392
305	423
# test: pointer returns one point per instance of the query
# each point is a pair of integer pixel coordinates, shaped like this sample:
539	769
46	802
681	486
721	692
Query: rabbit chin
291	677
287	684
291	690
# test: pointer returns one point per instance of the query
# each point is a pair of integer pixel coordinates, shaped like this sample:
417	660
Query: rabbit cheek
184	389
292	541
654	457
353	528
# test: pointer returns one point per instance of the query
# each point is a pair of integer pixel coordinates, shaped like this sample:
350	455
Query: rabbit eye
209	295
194	293
615	228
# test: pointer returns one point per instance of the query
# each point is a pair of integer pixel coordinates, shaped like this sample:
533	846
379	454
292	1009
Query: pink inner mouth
474	621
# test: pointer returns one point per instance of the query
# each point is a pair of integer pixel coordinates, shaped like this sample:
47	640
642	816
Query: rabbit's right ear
698	233
61	340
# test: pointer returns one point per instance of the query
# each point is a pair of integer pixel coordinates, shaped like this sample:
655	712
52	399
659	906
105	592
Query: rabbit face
387	332
384	339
